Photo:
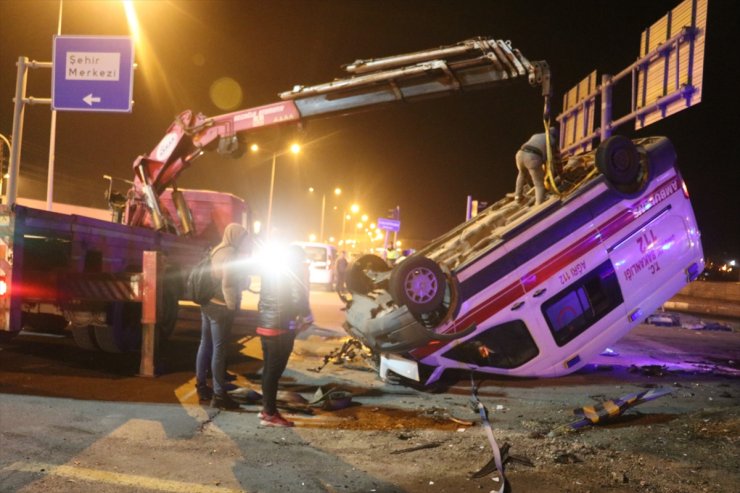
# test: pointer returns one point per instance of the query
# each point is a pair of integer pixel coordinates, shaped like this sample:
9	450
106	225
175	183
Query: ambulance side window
573	310
506	345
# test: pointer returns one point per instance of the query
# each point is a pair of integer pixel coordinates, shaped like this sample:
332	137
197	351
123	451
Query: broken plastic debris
610	409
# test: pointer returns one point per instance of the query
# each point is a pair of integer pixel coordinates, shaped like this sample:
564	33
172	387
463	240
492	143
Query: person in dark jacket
341	272
218	315
283	310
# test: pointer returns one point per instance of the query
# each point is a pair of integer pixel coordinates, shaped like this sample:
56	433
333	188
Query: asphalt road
72	420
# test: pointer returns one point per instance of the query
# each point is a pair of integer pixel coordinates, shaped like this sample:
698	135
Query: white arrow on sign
90	99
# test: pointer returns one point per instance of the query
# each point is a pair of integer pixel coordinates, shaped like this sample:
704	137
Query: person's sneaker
205	393
229	377
224	402
274	420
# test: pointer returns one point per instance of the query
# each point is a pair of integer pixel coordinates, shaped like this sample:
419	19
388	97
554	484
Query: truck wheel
84	337
625	171
122	332
418	283
358	280
167	316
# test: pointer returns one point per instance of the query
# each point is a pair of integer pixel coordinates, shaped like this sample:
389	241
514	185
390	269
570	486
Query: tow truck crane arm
472	64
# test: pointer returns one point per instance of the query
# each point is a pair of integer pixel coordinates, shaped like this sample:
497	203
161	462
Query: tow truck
76	273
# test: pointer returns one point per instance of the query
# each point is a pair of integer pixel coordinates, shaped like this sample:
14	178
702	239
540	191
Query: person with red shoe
283	310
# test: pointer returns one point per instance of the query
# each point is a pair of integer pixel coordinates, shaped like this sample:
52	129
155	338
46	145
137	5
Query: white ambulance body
538	290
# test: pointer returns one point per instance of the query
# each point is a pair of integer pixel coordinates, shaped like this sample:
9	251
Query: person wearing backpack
283	310
217	315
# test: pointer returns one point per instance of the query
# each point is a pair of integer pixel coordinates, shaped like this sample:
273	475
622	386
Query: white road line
116	478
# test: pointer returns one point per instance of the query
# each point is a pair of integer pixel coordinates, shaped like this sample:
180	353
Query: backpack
200	286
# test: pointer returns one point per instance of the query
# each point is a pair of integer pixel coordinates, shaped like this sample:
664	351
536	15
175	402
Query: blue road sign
389	224
92	73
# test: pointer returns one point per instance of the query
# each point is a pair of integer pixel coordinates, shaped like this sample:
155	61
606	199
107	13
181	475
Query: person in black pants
283	310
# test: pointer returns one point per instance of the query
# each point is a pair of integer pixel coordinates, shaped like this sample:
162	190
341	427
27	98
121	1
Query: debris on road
418	447
332	400
608	410
351	350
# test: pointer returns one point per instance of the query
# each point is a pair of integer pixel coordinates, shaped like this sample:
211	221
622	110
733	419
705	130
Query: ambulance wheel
358	280
418	283
625	170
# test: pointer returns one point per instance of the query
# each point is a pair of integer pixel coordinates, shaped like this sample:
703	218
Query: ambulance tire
357	278
419	284
625	170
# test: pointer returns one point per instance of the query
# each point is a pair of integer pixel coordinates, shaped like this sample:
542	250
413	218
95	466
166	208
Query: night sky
425	157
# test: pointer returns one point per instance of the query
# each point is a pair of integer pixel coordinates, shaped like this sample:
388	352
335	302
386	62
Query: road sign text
92	66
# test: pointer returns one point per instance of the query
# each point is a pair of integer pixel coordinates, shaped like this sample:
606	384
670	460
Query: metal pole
53	137
269	204
17	136
151	301
323	210
2	163
606	107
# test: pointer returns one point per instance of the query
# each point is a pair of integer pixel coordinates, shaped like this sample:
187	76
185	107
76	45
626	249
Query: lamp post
337	192
354	209
295	149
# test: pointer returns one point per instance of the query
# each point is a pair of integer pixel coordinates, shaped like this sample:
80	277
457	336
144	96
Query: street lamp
295	149
337	192
346	216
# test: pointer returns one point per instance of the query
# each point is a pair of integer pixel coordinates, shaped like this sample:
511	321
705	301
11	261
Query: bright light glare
312	237
133	21
355	208
270	256
364	218
337	191
257	227
254	148
295	148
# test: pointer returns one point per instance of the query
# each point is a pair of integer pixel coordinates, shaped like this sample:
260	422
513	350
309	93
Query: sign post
92	73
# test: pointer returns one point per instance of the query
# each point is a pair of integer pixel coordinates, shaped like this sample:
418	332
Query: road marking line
96	475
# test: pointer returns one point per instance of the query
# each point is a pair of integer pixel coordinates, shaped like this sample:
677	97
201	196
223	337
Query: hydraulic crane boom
472	64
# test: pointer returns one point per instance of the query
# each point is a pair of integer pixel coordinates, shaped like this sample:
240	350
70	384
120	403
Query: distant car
536	290
321	258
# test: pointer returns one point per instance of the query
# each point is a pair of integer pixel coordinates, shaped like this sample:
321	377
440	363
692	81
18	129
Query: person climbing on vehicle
283	310
217	316
531	157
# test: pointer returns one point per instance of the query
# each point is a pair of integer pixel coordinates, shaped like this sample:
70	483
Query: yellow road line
96	475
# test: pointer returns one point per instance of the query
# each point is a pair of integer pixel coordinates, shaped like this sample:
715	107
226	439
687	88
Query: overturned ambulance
527	289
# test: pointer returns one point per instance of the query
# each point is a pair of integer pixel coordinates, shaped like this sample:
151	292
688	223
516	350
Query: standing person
530	158
217	316
283	310
341	271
